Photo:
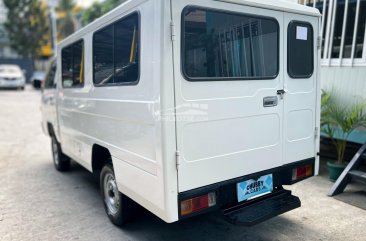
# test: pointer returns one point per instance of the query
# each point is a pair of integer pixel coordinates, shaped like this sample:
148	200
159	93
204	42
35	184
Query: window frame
83	67
204	79
114	67
290	74
54	83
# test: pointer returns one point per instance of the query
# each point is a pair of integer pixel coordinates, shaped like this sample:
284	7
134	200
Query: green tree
27	27
66	25
99	9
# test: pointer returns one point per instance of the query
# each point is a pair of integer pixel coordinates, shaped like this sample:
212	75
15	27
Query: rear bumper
263	208
11	84
226	196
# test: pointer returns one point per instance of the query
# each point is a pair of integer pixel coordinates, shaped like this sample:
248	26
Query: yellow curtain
133	46
82	66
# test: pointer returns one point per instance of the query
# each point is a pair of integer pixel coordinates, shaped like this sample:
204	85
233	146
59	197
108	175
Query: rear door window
221	45
300	50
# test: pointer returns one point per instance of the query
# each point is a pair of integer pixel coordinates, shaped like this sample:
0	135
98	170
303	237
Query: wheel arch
100	157
50	130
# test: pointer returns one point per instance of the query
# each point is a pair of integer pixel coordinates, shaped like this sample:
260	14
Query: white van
192	106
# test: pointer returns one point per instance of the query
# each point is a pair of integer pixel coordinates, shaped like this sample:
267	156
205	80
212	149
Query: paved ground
38	203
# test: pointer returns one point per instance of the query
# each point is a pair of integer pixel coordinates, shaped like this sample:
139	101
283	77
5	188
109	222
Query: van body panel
125	119
300	101
234	135
223	127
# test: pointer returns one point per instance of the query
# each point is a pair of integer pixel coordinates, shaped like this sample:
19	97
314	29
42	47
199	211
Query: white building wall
348	82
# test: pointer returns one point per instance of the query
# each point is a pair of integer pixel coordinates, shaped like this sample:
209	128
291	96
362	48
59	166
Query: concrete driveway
38	203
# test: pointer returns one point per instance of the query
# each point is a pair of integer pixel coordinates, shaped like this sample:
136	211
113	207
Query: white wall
348	82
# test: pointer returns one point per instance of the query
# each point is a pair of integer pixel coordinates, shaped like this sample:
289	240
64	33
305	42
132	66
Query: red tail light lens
302	172
197	203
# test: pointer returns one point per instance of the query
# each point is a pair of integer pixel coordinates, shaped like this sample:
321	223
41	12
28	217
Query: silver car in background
11	76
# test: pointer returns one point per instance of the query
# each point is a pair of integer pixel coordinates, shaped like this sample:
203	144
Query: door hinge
172	30
177	159
319	42
316	130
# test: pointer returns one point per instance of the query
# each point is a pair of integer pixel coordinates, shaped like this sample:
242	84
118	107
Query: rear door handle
270	101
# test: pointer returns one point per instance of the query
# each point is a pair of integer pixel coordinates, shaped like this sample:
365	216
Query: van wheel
60	160
117	205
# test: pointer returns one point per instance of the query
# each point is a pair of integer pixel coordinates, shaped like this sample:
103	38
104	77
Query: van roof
279	5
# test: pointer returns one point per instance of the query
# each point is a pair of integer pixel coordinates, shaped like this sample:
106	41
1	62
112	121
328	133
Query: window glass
103	56
360	30
348	38
116	53
126	50
337	34
300	50
67	67
73	65
222	45
50	78
78	62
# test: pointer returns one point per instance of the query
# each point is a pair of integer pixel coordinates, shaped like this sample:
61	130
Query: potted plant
338	121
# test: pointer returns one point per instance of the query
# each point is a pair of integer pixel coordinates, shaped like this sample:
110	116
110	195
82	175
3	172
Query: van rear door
228	62
301	86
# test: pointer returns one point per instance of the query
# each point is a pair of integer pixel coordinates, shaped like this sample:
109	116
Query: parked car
37	79
188	107
11	76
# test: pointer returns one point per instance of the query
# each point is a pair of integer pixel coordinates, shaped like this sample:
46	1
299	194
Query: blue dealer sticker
252	188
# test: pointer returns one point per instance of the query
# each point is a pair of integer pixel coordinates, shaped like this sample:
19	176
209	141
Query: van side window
73	65
300	50
50	78
116	53
222	45
103	56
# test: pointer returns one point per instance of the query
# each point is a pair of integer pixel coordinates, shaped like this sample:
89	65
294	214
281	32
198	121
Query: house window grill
342	30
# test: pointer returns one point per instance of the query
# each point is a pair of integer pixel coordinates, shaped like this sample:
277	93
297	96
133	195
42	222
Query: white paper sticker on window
301	33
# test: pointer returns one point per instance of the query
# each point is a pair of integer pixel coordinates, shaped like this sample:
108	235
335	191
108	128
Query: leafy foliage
339	121
66	25
27	26
99	9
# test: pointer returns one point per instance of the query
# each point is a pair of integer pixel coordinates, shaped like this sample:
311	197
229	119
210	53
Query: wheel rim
56	158
111	195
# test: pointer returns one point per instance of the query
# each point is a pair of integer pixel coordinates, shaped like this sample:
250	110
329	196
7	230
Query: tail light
197	203
302	172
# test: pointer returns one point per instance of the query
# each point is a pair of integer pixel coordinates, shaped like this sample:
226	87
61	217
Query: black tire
117	206
22	88
60	160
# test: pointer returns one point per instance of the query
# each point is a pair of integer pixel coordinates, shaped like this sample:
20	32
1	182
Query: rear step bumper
258	210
